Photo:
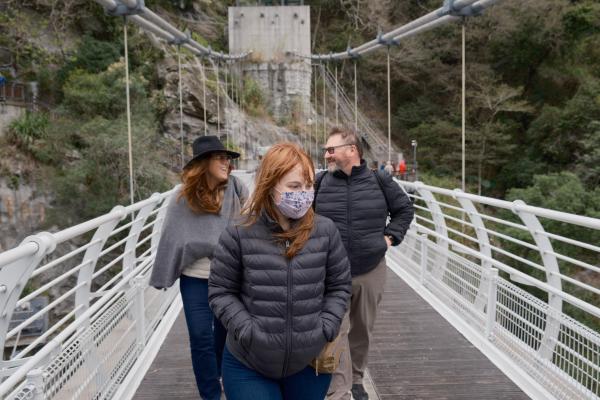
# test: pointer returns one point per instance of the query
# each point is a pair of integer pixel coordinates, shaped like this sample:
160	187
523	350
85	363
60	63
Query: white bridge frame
112	323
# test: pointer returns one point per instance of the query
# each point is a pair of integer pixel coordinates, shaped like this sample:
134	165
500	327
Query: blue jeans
243	383
207	336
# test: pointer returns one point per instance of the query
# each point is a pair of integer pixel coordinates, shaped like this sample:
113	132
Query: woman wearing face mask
203	206
280	283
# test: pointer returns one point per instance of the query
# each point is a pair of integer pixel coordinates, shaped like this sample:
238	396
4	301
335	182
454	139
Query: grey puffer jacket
279	312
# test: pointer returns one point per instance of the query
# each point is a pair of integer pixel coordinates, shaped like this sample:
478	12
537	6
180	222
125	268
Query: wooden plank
171	376
415	354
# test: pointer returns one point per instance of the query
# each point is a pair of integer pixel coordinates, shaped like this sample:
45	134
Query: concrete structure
271	32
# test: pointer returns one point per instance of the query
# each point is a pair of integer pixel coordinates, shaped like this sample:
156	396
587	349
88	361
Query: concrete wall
271	32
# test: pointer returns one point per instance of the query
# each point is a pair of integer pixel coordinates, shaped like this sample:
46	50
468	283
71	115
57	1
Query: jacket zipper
288	339
348	202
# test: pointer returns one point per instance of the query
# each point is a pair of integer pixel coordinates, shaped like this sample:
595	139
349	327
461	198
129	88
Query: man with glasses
360	201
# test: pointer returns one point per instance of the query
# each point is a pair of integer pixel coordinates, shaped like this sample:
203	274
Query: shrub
27	129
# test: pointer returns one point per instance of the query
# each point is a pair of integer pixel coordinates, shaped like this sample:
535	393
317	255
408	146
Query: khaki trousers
356	330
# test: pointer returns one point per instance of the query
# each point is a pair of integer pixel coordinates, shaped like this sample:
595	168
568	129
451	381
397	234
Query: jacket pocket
246	334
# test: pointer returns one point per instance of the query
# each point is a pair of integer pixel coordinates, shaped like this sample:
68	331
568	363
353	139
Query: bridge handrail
95	287
436	249
455	260
514	206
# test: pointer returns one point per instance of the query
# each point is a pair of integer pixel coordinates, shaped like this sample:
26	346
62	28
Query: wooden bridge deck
416	354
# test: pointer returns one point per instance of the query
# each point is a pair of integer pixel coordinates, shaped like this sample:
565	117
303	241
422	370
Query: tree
493	102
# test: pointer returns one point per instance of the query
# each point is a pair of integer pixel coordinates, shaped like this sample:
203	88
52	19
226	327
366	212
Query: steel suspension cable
337	120
463	105
128	101
180	104
355	100
389	108
316	122
218	101
324	105
204	96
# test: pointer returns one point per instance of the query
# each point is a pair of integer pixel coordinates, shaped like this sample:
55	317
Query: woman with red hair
280	284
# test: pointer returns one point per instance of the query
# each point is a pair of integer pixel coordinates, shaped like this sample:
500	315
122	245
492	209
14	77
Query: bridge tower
270	32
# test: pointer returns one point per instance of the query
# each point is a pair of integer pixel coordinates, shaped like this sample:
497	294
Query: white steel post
90	258
424	248
129	259
139	314
491	302
483	241
15	274
159	221
35	381
552	329
440	259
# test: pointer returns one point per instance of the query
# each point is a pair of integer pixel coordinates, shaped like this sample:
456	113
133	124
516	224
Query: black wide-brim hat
206	145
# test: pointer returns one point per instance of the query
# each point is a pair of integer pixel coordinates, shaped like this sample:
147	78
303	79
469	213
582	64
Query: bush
99	179
253	98
29	128
90	94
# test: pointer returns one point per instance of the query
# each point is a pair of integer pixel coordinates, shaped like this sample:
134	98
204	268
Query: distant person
209	200
389	168
2	88
359	201
280	283
402	169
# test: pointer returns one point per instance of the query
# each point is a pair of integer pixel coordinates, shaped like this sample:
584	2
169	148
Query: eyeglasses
221	157
331	149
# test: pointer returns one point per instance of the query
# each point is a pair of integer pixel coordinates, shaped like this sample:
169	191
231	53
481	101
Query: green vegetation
25	131
253	98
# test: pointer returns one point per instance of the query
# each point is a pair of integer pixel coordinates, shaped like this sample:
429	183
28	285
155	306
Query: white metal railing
515	289
102	312
502	279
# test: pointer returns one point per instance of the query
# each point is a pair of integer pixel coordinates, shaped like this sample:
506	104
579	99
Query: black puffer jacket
359	209
279	313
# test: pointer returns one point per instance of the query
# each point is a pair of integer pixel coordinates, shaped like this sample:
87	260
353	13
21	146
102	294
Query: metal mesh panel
93	364
457	282
573	370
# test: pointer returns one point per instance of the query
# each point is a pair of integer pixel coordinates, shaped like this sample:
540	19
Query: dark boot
359	392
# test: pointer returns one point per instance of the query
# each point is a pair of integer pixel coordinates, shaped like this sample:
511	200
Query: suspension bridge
461	316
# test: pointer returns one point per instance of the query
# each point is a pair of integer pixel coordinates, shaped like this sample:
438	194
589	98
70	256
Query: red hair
196	191
280	160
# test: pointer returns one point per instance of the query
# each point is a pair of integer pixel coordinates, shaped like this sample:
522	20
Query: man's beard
332	167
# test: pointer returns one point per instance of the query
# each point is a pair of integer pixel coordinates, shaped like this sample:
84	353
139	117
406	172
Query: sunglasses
221	157
331	149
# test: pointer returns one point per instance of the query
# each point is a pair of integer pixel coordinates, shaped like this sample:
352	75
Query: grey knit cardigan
188	236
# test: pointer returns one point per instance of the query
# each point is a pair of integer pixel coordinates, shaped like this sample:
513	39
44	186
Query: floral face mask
295	205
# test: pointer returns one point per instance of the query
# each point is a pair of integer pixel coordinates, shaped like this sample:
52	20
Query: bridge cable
464	75
324	104
226	95
180	104
204	95
355	100
337	120
218	99
128	102
316	122
389	107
